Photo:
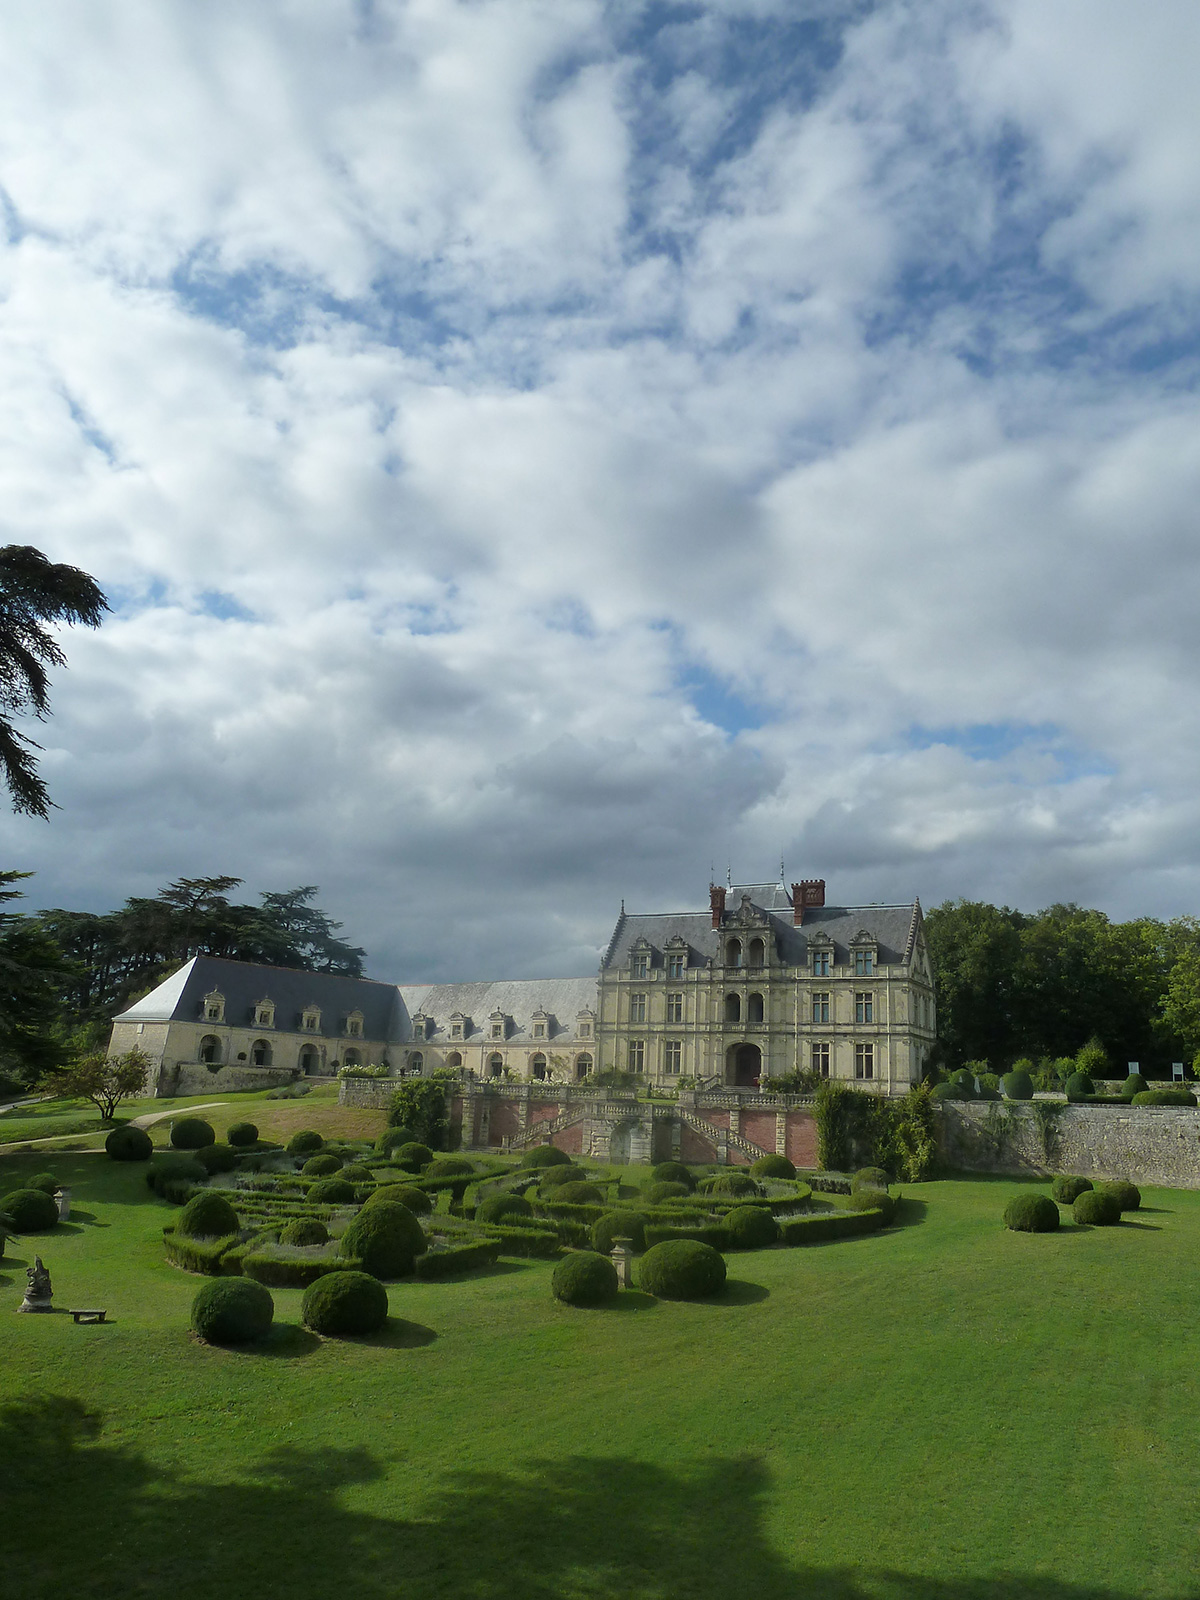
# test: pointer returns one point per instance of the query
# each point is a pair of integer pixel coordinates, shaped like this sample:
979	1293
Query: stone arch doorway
630	1141
743	1065
310	1061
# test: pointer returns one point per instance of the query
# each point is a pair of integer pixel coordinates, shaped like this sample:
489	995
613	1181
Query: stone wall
193	1077
373	1094
1146	1144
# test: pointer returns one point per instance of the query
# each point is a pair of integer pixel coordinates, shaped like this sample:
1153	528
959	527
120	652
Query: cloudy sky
541	451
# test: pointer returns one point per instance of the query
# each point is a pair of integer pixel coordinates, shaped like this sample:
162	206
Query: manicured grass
942	1410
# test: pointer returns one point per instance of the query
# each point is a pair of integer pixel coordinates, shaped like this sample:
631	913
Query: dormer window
639	961
498	1025
354	1024
214	1006
821	958
583	1025
264	1013
863	954
460	1026
310	1019
418	1025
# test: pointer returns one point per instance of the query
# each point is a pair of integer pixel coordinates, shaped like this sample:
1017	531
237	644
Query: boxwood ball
751	1227
682	1269
343	1303
1098	1208
584	1278
1066	1190
1031	1213
402	1194
242	1133
192	1133
546	1155
672	1172
772	1167
207	1216
232	1311
31	1210
128	1143
386	1239
304	1142
504	1208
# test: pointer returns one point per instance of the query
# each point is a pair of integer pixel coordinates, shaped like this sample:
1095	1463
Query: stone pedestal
63	1196
622	1259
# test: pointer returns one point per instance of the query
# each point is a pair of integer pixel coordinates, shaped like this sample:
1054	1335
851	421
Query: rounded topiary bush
1127	1195
304	1143
174	1171
402	1194
343	1303
414	1154
584	1278
772	1167
45	1181
963	1082
1097	1207
1080	1086
386	1238
321	1166
733	1183
331	1192
682	1269
1164	1097
128	1143
1134	1084
579	1194
232	1311
1067	1190
30	1210
656	1193
947	1091
546	1155
1017	1085
304	1231
216	1158
750	1227
207	1216
504	1208
1031	1213
355	1172
553	1178
869	1178
242	1134
615	1225
874	1200
672	1172
449	1167
192	1133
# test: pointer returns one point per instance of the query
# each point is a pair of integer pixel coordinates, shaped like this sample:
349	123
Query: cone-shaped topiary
672	1172
1079	1086
1127	1195
1067	1190
448	1167
242	1134
232	1311
772	1167
750	1227
45	1181
504	1208
342	1303
1031	1213
416	1155
578	1194
656	1193
1097	1207
128	1143
192	1133
207	1216
386	1238
402	1194
554	1177
323	1166
682	1269
29	1210
869	1178
1017	1085
546	1155
331	1192
304	1143
304	1231
584	1278
216	1158
615	1225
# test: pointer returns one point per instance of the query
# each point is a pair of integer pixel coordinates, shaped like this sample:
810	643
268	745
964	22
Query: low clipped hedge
772	1167
682	1269
869	1178
1164	1097
457	1258
526	1243
241	1134
1066	1190
215	1158
192	1133
1031	1213
449	1167
128	1143
1097	1208
656	1193
386	1238
331	1192
750	1228
404	1194
502	1207
414	1154
585	1278
615	1225
345	1302
304	1143
209	1256
232	1311
828	1225
321	1166
1017	1085
304	1231
30	1210
207	1215
546	1155
1127	1195
672	1172
282	1271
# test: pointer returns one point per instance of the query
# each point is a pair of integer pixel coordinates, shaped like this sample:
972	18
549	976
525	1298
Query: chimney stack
716	897
811	892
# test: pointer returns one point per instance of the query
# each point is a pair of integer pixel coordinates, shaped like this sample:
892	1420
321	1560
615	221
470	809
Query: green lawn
943	1410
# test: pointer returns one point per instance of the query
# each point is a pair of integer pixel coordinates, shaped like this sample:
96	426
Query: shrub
242	1133
1134	1084
449	1167
1067	1190
869	1178
1127	1195
578	1194
1164	1097
615	1225
128	1143
192	1133
1031	1213
174	1170
386	1238
1097	1207
45	1181
417	1155
305	1231
546	1155
1079	1086
393	1138
672	1172
331	1192
947	1091
829	1225
403	1194
504	1207
29	1210
343	1303
750	1227
216	1158
321	1166
232	1311
355	1172
458	1258
201	1255
554	1177
682	1269
282	1270
207	1216
875	1200
732	1183
772	1167
304	1143
658	1192
1017	1085
1092	1060
584	1278
964	1081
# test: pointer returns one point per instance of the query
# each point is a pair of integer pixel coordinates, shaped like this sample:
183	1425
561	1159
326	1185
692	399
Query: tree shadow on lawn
612	1529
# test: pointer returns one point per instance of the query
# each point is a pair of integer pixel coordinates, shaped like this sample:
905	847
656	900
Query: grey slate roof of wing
243	983
889	926
562	998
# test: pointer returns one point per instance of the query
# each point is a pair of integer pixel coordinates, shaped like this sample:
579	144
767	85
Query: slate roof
562	998
890	927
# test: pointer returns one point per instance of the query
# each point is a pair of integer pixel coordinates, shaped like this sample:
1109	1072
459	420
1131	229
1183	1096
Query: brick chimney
811	892
716	897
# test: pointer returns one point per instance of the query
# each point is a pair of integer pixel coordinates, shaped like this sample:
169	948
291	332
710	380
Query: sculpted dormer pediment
748	915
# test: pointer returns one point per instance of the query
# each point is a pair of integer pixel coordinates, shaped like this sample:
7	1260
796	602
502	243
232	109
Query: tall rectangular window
820	1008
674	1008
864	963
675	963
637	1055
673	1056
820	963
864	1007
864	1060
639	965
637	1008
820	1059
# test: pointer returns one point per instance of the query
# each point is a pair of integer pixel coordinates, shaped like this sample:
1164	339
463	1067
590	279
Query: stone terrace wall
1147	1144
194	1077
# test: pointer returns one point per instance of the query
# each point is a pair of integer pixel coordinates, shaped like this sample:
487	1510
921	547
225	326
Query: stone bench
89	1316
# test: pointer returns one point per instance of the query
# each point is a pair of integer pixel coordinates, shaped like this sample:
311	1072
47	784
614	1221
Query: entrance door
747	1065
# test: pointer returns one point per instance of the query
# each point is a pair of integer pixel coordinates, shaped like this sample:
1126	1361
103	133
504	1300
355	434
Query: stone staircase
542	1132
715	1135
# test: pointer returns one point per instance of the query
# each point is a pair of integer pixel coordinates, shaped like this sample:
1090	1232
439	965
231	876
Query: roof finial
622	905
729	875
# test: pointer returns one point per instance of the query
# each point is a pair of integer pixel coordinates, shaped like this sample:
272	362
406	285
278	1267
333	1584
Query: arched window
260	1053
758	953
733	1008
416	1061
454	1059
210	1048
754	1008
733	953
352	1058
538	1066
583	1065
495	1066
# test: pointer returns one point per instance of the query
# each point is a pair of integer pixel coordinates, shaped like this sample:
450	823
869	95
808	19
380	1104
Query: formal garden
334	1358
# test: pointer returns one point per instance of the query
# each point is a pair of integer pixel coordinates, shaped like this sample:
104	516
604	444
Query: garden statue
38	1292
